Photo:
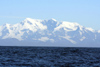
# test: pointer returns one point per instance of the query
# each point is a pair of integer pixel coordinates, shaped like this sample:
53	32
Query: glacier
36	32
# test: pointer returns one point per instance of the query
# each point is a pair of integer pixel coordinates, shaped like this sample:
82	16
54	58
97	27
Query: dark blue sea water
49	57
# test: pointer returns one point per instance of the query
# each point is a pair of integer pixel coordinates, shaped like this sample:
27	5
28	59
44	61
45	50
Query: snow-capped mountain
34	32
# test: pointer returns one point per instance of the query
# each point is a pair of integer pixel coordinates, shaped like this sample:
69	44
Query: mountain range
35	32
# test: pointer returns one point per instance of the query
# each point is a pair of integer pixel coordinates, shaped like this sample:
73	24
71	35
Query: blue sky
84	12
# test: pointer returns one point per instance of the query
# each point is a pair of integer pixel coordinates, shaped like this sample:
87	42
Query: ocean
49	57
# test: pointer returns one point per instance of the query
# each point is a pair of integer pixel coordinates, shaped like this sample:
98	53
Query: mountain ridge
49	32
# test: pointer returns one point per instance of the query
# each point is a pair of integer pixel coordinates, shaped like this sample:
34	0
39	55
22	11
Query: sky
84	12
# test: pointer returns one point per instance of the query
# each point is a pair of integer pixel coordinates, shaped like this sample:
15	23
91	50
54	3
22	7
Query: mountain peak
52	19
90	29
6	25
29	19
